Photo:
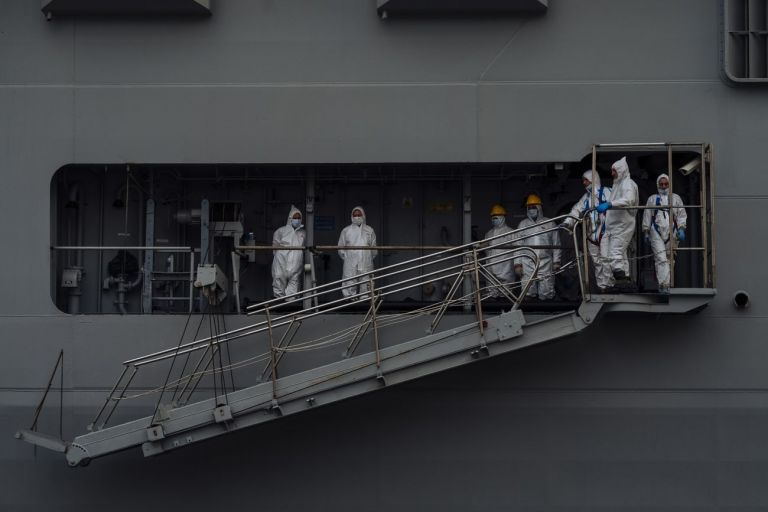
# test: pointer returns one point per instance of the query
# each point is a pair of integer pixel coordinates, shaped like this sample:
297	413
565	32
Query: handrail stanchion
109	397
587	294
117	400
272	355
447	300
670	217
191	279
703	215
290	333
478	301
374	307
580	253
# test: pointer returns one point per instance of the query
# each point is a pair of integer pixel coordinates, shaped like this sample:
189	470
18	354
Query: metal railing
456	264
705	206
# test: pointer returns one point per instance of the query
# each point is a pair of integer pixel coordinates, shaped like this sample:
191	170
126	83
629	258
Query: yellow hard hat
533	200
498	210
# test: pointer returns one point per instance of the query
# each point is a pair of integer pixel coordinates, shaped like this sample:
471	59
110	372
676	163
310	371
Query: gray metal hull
636	413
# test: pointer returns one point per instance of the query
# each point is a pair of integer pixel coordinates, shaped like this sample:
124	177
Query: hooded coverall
597	242
287	265
620	223
356	261
544	284
656	224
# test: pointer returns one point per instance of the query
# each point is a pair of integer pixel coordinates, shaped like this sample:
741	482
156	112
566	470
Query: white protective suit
287	265
504	270
544	285
357	261
597	242
620	223
656	224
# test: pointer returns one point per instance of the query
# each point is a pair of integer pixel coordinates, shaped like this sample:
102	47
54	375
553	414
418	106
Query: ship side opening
128	238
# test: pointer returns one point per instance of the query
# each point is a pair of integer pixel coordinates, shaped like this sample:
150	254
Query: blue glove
647	236
681	234
602	207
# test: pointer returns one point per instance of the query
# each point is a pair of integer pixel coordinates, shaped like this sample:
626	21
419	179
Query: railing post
372	294
191	279
704	217
478	301
584	289
670	217
586	293
272	355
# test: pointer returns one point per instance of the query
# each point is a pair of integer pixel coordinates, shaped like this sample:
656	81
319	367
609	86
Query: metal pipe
649	144
481	244
478	302
278	322
711	220
272	355
122	248
344	302
374	310
467	232
672	239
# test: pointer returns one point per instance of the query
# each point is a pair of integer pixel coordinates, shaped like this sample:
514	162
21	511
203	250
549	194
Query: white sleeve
648	213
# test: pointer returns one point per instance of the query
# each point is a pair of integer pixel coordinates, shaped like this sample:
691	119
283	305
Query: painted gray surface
610	418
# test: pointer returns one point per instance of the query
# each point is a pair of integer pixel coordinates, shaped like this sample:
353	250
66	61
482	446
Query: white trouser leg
601	264
546	280
351	289
660	258
293	285
617	251
278	287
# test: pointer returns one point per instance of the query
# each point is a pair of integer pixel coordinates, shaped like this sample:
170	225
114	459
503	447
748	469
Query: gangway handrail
328	307
480	244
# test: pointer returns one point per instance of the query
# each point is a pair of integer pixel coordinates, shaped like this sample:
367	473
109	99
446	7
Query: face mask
497	221
357	220
663	191
295	223
533	213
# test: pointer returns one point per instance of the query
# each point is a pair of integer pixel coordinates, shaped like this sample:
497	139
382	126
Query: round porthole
741	299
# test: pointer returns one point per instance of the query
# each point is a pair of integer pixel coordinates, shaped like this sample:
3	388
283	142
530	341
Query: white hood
622	169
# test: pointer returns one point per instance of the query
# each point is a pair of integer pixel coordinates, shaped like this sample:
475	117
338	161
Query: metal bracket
222	414
77	455
155	433
510	325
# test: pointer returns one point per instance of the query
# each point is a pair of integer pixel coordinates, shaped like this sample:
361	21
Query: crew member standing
658	230
287	264
357	261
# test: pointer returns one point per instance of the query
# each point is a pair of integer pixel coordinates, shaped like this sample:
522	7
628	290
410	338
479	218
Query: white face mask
295	223
663	191
533	213
497	221
357	221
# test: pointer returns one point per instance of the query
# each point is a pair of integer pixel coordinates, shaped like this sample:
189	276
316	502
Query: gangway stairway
370	361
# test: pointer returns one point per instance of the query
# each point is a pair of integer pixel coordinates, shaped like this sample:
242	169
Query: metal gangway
289	359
